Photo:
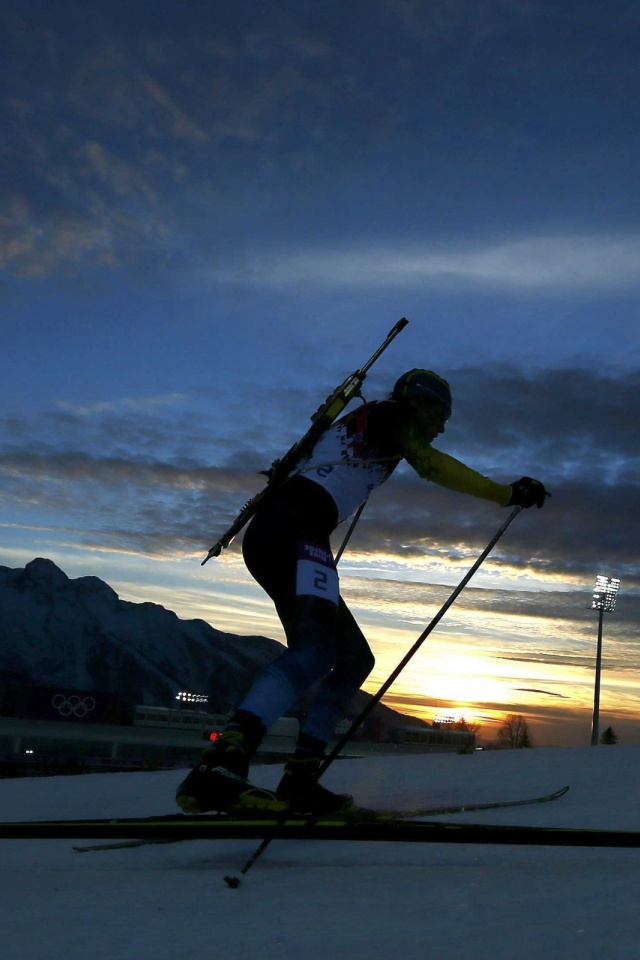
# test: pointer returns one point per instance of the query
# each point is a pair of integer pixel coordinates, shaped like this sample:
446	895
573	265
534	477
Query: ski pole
235	881
352	527
376	698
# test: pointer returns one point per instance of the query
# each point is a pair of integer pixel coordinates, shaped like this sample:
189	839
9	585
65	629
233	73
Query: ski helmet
423	383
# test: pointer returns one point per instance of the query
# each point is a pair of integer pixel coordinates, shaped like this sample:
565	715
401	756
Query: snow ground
308	900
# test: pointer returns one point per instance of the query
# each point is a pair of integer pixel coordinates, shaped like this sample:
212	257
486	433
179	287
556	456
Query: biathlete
287	550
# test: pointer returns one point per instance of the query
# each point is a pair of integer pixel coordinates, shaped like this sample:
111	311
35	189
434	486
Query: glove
526	492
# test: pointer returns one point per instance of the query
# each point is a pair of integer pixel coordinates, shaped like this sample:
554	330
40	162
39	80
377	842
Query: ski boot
220	781
299	787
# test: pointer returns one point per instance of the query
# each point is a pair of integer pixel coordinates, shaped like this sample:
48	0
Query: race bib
316	574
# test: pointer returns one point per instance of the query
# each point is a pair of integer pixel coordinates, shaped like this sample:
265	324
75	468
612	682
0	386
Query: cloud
173	460
133	149
536	264
544	693
166	142
124	403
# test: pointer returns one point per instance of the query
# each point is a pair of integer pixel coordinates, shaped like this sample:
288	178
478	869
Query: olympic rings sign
73	705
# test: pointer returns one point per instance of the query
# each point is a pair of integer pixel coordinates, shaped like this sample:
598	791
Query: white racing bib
316	574
343	466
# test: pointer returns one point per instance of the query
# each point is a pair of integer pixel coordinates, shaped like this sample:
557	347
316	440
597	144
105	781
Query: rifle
324	416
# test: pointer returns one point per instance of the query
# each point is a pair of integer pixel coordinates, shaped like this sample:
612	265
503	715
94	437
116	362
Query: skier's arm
448	472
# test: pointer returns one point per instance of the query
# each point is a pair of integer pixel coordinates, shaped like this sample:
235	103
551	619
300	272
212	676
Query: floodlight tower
604	600
185	698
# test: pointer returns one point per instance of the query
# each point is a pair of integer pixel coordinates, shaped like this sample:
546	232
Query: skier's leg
354	661
310	655
294	565
353	664
300	576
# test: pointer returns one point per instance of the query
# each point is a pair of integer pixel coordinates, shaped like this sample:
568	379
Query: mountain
77	634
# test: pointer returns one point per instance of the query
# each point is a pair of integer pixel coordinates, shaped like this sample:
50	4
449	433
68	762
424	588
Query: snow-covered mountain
77	633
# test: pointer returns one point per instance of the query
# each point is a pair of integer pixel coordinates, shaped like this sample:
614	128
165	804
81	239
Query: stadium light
184	696
604	601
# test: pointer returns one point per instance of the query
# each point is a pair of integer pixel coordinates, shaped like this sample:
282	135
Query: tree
514	732
609	737
465	725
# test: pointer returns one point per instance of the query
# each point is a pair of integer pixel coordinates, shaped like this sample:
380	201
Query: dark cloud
576	420
544	693
574	429
143	144
130	150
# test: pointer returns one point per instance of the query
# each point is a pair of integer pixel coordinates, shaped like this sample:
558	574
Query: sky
213	213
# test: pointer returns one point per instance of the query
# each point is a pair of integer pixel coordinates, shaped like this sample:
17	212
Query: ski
358	815
413	831
180	825
471	807
124	844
